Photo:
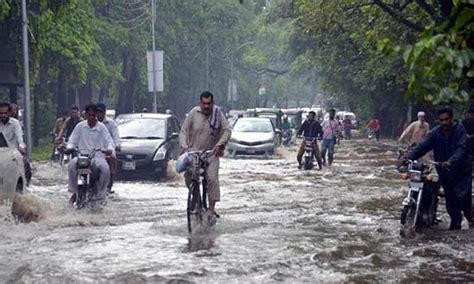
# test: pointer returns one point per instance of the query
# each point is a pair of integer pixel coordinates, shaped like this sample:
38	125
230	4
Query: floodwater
277	223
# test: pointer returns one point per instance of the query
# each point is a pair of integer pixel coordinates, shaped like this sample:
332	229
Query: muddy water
277	224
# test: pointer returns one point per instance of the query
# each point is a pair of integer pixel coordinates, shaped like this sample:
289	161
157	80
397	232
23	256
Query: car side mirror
174	135
277	131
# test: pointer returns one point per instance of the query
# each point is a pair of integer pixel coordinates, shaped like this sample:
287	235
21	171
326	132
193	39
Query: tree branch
430	10
398	17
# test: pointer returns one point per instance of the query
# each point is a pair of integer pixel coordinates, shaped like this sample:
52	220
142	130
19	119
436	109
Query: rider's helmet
184	162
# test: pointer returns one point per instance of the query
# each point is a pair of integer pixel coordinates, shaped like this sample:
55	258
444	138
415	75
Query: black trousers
456	206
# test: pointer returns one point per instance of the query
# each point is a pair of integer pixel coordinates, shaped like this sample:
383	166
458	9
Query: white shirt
13	133
113	130
87	139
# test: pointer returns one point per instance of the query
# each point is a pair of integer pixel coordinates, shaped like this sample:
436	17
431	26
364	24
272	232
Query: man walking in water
206	128
416	131
331	134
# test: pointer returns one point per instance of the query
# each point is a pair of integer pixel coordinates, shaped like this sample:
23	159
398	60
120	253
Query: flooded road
277	223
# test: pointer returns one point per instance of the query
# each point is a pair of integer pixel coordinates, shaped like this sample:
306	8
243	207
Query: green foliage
440	63
42	152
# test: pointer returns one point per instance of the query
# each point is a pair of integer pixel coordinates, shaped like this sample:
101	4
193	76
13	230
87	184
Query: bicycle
197	200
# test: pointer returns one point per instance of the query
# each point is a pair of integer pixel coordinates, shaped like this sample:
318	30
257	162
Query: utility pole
207	64
26	71
155	108
232	80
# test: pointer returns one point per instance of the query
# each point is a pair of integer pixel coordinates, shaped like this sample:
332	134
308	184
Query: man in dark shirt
310	129
448	142
70	123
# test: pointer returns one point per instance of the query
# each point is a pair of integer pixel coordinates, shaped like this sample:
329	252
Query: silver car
12	171
148	142
253	136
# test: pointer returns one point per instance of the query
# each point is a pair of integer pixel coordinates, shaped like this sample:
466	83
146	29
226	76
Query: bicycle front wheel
194	208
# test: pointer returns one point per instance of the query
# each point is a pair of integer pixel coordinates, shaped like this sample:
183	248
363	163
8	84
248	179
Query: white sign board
232	91
158	70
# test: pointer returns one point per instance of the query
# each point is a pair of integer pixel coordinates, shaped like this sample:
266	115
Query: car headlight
233	140
416	176
160	154
269	141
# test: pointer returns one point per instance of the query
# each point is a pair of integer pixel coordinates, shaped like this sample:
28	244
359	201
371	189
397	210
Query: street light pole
26	71
155	108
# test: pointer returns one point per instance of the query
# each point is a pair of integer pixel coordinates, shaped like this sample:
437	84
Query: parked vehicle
149	141
295	116
352	117
12	171
253	136
420	205
233	115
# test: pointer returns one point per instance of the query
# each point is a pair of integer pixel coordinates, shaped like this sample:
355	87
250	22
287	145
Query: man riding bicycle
310	129
206	128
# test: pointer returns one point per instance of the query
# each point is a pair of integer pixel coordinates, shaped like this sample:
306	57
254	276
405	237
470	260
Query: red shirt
374	124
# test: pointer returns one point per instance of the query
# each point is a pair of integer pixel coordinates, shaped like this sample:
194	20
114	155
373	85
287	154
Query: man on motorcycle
69	124
374	125
416	131
448	142
114	133
310	129
206	128
87	136
287	127
331	136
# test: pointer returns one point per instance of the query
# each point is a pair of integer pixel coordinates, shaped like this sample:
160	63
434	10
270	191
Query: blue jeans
327	146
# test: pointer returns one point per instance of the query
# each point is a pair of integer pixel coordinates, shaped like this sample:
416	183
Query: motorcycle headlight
416	176
83	162
160	154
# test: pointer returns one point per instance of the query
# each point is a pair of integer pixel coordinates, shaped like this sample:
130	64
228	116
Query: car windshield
141	128
253	126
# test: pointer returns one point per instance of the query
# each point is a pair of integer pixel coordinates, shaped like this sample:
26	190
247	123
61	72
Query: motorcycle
287	136
309	153
86	180
420	205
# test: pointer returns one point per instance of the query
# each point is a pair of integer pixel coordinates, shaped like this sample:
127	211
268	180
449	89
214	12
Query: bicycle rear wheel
194	208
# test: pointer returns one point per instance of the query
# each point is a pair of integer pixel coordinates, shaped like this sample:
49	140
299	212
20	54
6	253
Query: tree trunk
61	95
104	94
13	94
122	94
40	88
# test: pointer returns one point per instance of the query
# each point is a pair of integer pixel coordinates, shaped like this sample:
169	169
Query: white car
253	136
12	171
